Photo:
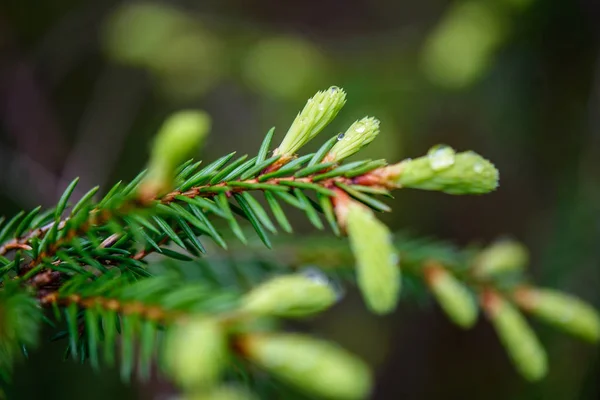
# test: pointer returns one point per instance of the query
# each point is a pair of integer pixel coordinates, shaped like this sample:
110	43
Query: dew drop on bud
478	168
341	136
360	128
316	275
441	157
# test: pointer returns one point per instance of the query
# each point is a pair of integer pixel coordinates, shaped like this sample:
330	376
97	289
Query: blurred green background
85	84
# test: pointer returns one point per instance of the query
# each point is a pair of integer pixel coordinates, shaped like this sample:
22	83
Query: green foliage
116	308
20	322
93	264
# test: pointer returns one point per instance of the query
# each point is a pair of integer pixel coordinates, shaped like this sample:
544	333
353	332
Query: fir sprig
89	261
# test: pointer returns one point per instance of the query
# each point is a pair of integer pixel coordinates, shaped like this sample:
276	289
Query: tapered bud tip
358	135
501	257
314	366
318	112
178	138
519	340
445	170
561	310
294	295
180	135
195	353
453	296
377	270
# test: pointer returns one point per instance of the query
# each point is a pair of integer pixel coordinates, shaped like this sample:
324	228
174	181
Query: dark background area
85	84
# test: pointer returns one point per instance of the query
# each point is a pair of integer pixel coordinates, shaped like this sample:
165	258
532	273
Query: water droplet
318	276
321	107
315	275
302	120
360	128
334	89
341	136
441	157
478	167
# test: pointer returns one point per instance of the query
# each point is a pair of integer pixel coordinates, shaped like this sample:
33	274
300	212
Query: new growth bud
358	135
220	393
317	367
378	274
444	170
454	297
319	111
180	135
295	295
561	310
195	353
501	257
519	340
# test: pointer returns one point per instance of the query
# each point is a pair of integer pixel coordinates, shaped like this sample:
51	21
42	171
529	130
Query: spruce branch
177	321
491	278
89	262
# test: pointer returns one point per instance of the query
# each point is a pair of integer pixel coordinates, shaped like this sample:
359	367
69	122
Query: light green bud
501	257
461	47
454	297
378	274
294	295
180	135
319	111
566	312
519	340
317	367
360	134
444	170
195	353
221	393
